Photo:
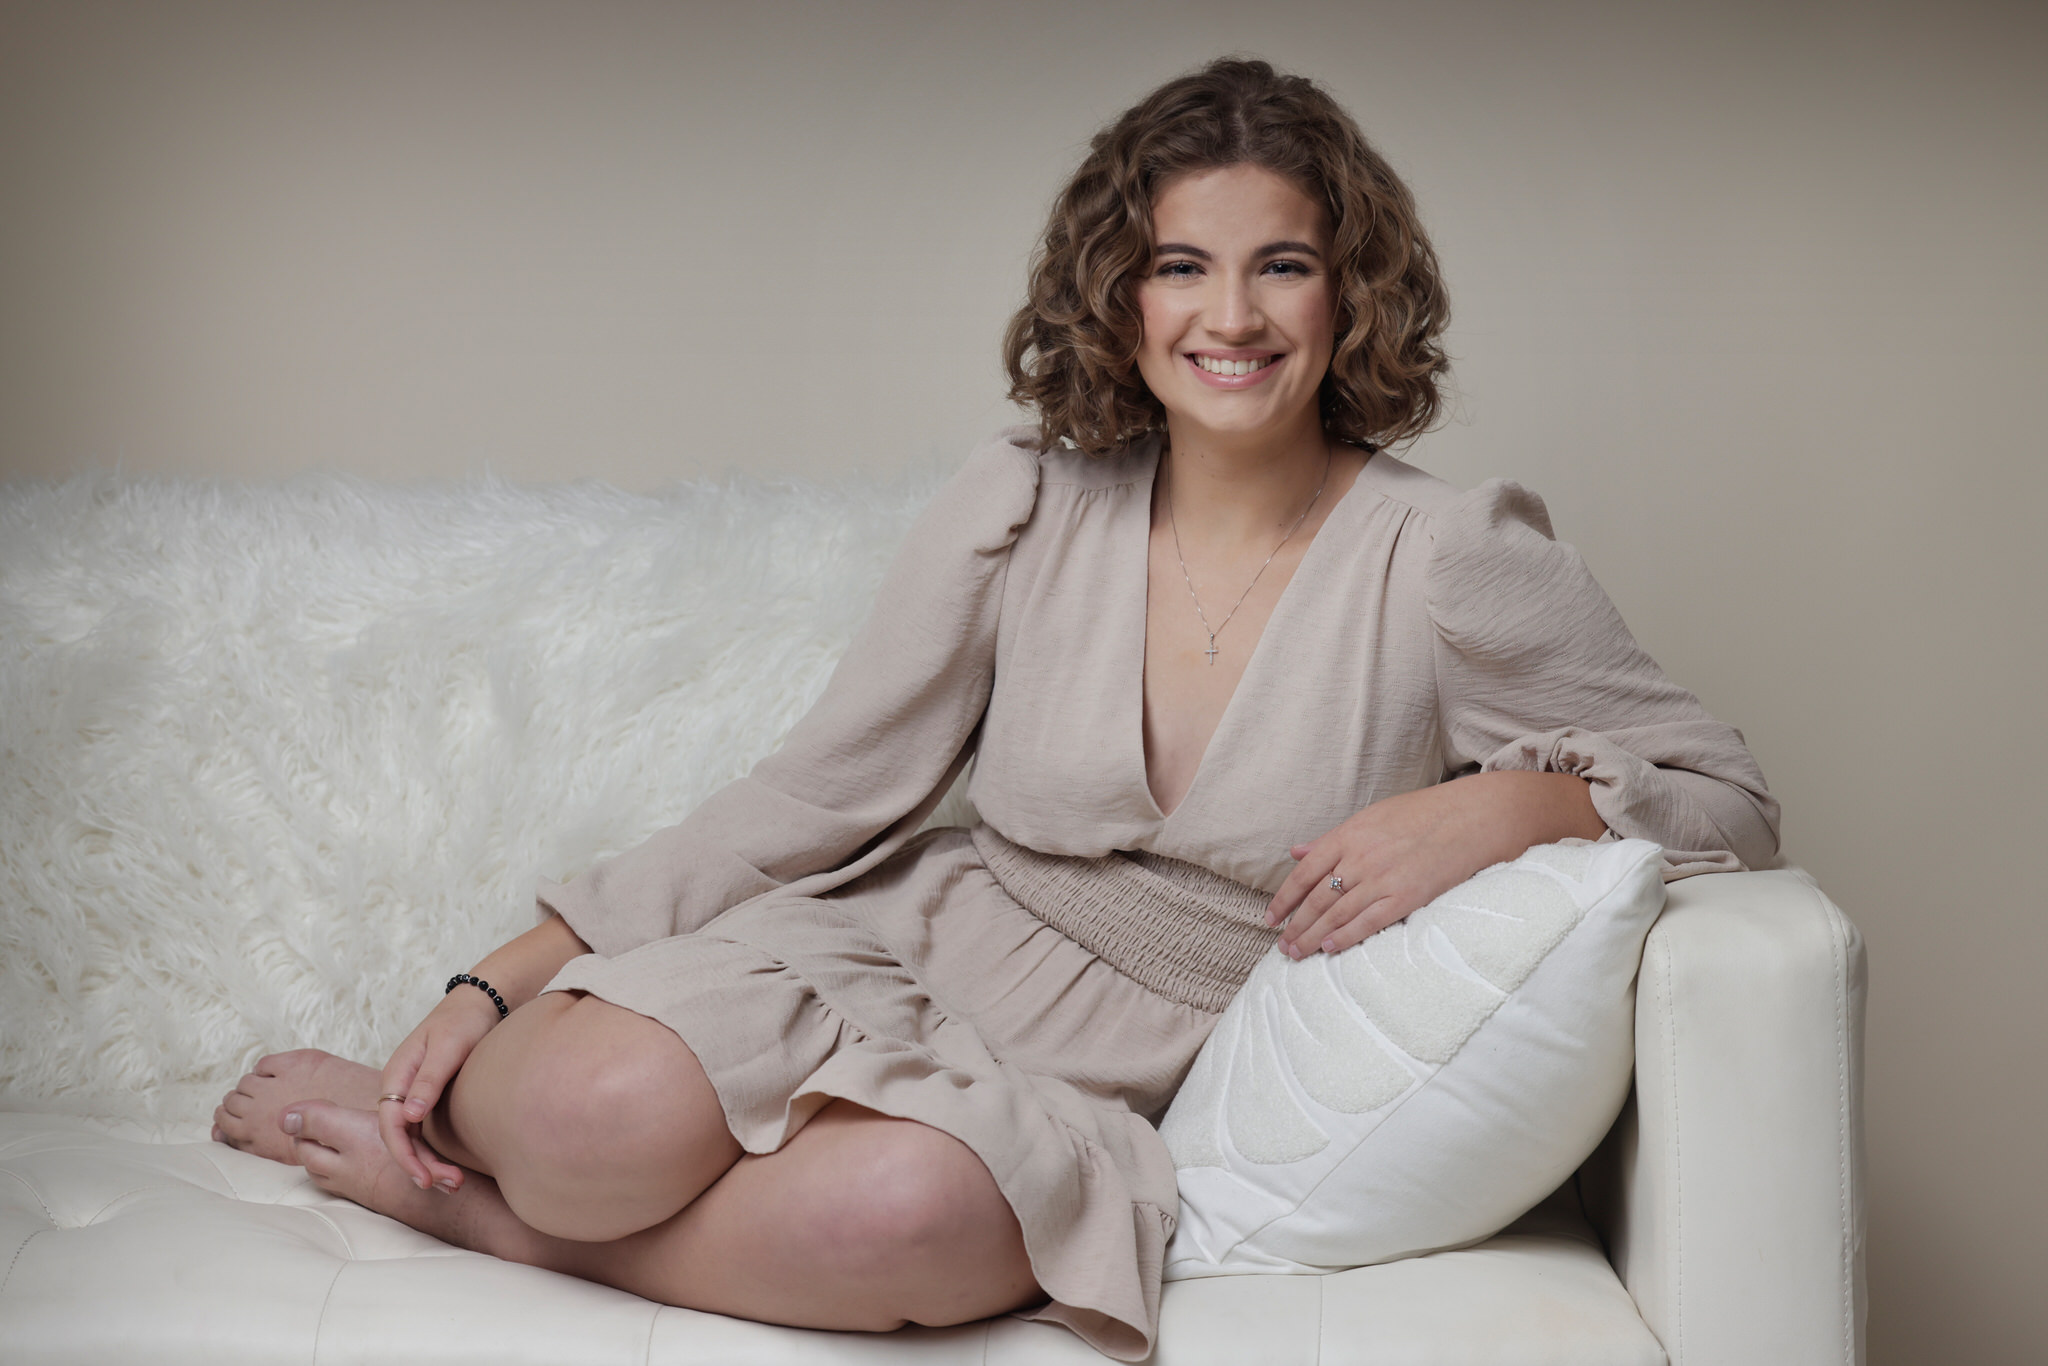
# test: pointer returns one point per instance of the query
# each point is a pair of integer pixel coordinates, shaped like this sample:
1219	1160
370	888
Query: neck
1233	490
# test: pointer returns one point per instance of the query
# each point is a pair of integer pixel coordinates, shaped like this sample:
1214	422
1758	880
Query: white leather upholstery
1730	1194
113	1250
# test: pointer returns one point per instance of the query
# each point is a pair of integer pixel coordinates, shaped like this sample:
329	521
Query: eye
1178	270
1295	269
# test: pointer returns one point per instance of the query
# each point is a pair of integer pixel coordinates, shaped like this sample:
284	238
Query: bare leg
859	1222
247	1116
612	1162
596	1122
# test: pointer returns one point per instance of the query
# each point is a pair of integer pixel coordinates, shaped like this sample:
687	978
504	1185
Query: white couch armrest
1731	1191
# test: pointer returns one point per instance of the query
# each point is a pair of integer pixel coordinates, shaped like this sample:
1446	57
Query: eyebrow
1270	249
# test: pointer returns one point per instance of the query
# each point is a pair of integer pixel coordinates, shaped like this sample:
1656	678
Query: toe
321	1132
322	1164
303	1130
309	1150
319	1121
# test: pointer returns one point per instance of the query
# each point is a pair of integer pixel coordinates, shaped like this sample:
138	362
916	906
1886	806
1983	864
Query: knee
904	1200
926	1213
594	1092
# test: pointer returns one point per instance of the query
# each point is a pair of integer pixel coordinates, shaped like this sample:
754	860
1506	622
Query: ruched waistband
1178	930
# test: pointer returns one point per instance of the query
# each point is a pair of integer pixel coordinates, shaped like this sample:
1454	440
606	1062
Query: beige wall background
1754	294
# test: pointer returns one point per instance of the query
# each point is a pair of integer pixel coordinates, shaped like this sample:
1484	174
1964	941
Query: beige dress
1039	986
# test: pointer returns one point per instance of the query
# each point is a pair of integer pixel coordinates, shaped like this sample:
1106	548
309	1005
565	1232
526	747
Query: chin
1240	425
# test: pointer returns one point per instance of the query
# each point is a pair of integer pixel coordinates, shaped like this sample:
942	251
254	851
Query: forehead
1241	205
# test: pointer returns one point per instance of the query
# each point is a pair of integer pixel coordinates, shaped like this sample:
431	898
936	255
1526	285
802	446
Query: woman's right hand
432	1054
420	1070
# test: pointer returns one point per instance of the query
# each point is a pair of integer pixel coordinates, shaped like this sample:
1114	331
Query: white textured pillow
1425	1088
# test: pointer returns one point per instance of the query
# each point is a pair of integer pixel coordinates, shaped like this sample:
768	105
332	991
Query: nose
1236	314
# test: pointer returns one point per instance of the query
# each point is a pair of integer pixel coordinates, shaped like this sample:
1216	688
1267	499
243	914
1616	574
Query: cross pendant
1211	651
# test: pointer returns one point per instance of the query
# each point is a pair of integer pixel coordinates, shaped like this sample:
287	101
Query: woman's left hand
1398	855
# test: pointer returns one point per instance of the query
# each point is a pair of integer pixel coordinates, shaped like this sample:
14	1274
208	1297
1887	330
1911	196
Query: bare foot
247	1116
342	1150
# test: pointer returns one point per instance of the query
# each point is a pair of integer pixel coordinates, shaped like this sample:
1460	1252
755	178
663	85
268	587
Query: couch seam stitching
1835	949
339	1231
1322	1318
233	1189
8	1275
34	1195
1677	1164
647	1348
96	1214
320	1323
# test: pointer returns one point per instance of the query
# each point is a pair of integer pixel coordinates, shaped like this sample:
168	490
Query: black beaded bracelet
480	984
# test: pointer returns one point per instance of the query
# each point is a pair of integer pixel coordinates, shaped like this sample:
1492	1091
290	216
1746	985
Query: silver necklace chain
1188	578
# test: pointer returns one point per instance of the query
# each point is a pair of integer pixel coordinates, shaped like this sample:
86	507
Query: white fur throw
275	761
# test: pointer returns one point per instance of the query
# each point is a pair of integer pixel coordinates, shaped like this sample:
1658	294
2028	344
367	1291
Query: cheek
1155	323
1161	326
1316	324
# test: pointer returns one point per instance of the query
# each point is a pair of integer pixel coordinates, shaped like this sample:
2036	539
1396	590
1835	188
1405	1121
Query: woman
792	1061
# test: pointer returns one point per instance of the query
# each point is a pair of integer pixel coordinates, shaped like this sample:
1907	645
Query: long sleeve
862	769
1535	670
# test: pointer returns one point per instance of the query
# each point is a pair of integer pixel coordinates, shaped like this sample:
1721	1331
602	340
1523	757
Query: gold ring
1336	883
382	1099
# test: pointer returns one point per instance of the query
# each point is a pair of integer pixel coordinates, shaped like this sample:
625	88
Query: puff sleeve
860	772
1535	670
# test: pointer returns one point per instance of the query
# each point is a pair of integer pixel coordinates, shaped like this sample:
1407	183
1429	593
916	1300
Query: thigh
860	1221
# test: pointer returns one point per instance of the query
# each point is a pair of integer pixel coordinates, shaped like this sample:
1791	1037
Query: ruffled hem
1065	1161
1096	1251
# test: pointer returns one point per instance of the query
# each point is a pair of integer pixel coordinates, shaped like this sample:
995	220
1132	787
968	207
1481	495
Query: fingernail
1329	946
218	1136
420	1182
292	1122
445	1186
415	1111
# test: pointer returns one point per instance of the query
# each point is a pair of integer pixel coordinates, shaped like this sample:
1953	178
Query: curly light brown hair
1072	349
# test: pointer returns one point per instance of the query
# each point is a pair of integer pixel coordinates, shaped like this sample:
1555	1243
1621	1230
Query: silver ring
1336	883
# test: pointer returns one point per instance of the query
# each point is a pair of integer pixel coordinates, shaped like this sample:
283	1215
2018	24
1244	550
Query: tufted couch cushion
117	1250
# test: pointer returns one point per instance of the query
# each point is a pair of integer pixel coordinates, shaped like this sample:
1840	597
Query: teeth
1231	367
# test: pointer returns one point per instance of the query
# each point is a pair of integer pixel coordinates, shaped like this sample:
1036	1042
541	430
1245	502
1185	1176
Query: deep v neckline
1253	663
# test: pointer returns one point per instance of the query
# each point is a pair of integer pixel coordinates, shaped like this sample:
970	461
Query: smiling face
1238	307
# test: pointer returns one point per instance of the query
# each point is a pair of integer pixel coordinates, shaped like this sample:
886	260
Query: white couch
273	761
